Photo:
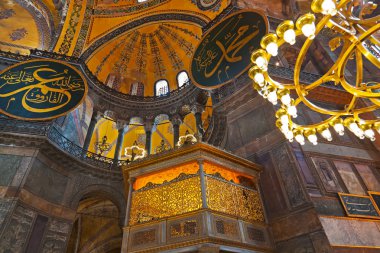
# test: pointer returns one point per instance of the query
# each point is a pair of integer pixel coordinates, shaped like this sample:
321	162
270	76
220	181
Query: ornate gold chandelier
356	36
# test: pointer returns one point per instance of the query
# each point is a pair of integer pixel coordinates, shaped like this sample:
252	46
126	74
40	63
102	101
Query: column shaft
90	130
119	144
203	184
148	141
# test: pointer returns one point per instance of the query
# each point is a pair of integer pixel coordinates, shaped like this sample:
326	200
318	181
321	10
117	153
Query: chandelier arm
373	59
372	38
328	76
297	70
344	60
278	84
359	68
367	21
316	125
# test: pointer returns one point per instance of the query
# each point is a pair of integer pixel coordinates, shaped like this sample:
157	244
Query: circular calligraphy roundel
224	52
40	89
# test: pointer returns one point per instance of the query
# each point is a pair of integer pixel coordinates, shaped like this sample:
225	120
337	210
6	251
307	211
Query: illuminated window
162	88
112	80
137	89
182	78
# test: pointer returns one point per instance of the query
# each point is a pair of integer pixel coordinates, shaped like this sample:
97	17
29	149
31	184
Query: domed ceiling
26	25
136	41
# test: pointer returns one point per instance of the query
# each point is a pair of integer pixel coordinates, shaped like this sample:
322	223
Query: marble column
120	125
148	131
198	110
176	122
90	131
203	184
127	214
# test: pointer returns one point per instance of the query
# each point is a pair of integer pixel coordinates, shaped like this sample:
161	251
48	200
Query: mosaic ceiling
136	42
130	40
19	29
26	25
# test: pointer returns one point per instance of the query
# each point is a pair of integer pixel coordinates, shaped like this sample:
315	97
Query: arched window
162	88
137	89
112	80
182	78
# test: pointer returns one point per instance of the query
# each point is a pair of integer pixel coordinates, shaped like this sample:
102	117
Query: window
162	88
137	89
182	78
112	81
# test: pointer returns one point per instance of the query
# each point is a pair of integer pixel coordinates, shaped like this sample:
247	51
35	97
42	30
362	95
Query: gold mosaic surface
165	201
234	200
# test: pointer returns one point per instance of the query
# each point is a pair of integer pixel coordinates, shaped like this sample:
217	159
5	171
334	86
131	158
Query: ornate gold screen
166	200
232	199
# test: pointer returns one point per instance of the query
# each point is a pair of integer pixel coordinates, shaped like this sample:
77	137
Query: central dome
150	56
146	49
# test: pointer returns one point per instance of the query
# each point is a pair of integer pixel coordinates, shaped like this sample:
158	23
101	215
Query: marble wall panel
349	178
273	196
14	237
351	232
255	124
328	206
369	177
5	207
46	182
301	244
8	168
56	236
326	174
289	177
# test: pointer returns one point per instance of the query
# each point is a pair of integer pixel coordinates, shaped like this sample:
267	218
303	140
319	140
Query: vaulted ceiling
134	41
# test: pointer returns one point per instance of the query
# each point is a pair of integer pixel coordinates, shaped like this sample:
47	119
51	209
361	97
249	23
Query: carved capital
149	121
121	124
197	108
176	120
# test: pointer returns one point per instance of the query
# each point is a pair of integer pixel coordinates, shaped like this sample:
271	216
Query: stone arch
104	191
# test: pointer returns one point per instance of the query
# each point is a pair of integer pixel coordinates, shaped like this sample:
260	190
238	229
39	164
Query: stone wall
299	184
39	196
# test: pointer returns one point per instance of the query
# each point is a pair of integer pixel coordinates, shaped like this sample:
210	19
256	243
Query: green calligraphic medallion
41	89
224	52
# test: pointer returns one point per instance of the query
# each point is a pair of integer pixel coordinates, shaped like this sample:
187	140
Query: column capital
176	120
96	115
121	124
197	108
131	180
148	124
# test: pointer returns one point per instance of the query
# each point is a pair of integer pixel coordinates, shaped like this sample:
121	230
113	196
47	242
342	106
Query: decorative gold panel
228	174
166	200
232	199
166	175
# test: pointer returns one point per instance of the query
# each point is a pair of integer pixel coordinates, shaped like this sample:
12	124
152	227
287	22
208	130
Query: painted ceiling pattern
136	42
26	25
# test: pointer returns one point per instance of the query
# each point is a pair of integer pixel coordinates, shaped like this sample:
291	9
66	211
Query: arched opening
161	88
134	135
96	228
137	89
182	78
113	80
162	134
